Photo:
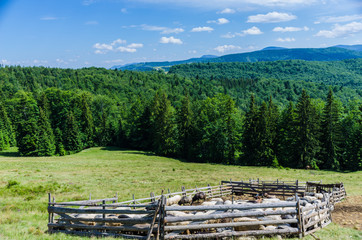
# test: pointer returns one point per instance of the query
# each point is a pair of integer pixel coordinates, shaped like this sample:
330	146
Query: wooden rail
151	218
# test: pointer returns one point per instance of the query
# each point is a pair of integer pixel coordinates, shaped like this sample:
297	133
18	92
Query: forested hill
50	111
340	73
275	54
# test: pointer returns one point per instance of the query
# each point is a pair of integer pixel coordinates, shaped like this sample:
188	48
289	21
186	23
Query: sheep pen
231	209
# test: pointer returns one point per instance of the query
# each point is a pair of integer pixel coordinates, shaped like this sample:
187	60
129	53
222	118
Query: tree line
252	121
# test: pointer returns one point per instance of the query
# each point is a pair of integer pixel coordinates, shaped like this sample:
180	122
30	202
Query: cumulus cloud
290	29
227	11
252	31
285	40
341	30
219	21
163	30
334	19
228	35
225	48
103	48
202	29
170	40
271	17
4	62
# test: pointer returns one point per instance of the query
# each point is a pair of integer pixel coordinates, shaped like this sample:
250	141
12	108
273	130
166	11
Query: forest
250	120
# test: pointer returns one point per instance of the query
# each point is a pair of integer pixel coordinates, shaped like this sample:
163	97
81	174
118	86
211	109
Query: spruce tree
27	125
7	127
307	139
250	135
86	121
185	125
71	138
46	141
331	134
59	147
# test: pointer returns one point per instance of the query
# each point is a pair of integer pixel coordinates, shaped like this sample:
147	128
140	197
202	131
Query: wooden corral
158	217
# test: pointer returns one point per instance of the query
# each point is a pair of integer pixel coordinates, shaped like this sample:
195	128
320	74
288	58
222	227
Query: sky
104	33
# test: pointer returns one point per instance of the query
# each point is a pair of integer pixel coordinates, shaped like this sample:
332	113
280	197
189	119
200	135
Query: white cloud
103	48
202	29
135	45
118	41
346	18
252	31
219	21
271	17
285	40
124	10
170	40
227	11
126	49
114	61
225	48
228	35
5	62
290	29
341	30
163	30
282	3
88	2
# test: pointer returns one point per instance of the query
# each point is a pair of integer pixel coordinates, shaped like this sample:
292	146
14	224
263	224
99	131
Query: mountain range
335	53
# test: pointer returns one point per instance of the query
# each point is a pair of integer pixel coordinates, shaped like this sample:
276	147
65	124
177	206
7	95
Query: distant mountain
273	48
267	54
351	47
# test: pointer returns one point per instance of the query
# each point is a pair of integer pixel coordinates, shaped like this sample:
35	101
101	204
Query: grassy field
25	182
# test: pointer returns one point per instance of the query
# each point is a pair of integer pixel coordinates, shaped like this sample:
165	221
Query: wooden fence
148	218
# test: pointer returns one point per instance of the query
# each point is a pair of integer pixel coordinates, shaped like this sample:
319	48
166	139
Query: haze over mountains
335	53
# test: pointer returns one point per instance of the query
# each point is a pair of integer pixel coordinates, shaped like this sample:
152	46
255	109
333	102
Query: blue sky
103	33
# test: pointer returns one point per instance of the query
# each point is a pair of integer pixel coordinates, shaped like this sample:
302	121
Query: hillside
340	73
267	54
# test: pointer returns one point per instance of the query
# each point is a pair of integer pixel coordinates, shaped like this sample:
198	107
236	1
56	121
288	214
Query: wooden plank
92	201
228	215
109	220
100	234
101	227
232	224
232	206
95	211
233	233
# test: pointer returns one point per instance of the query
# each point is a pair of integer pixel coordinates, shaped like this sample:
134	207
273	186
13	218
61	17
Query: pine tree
46	141
286	137
163	128
307	142
86	121
71	138
7	127
59	147
331	134
27	127
185	125
250	135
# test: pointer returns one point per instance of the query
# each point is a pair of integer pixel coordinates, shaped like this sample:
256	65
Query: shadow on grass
128	151
9	154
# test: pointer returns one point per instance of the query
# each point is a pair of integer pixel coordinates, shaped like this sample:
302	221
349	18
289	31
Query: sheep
210	203
198	196
173	200
185	200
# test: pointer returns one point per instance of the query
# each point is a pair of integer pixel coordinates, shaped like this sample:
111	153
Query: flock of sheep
309	203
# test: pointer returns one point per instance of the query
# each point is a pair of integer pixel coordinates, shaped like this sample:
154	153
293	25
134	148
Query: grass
103	172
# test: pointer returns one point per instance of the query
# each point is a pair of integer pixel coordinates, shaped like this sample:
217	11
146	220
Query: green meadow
103	172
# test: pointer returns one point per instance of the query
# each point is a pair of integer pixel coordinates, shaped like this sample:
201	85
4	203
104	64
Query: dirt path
348	213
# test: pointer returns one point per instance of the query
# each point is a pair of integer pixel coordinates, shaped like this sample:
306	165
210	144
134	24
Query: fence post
300	218
103	207
209	190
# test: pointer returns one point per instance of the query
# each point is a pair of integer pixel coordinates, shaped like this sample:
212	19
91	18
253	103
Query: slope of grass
24	183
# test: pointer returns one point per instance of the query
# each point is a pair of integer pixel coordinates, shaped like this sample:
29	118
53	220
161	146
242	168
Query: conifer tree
59	147
86	120
7	127
27	127
286	137
250	135
331	134
71	138
46	141
163	128
307	142
185	125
